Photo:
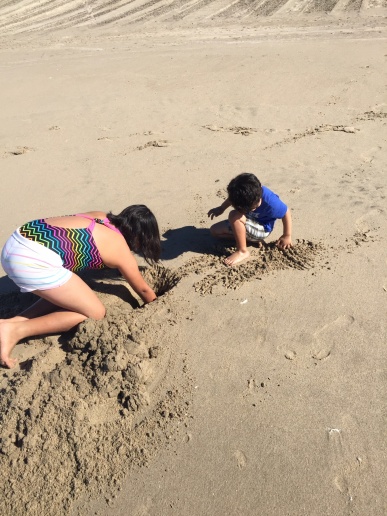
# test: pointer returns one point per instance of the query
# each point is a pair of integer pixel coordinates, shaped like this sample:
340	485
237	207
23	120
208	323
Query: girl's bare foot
236	257
7	343
14	319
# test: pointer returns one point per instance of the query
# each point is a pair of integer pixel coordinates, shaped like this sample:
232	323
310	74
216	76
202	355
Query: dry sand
258	390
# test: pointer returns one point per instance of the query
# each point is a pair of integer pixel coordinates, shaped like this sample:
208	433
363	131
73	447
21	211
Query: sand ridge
51	16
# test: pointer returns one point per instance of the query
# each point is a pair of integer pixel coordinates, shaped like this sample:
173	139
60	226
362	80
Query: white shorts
32	266
255	231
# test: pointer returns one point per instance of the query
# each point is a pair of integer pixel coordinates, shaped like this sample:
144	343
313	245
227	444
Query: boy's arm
285	241
215	212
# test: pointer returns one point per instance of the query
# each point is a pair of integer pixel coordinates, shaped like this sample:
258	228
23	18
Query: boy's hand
284	242
215	212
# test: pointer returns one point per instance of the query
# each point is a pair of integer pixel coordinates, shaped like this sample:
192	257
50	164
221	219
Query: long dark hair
139	227
244	191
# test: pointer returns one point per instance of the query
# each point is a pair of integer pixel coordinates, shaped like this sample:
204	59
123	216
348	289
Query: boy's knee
214	230
235	215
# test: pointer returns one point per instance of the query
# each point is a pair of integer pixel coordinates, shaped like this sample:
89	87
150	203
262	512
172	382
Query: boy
256	208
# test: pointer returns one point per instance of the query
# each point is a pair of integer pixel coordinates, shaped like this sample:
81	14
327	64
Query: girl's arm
129	269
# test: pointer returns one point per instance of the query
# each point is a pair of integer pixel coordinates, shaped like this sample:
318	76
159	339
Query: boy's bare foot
7	343
236	257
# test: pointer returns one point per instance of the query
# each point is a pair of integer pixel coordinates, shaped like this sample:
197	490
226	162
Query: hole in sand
161	279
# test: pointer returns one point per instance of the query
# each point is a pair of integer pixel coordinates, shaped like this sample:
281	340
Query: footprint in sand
330	334
348	457
368	221
241	459
290	354
143	509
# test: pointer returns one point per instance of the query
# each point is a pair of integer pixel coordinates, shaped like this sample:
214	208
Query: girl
41	256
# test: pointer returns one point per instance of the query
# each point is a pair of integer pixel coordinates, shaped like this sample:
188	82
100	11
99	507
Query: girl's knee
98	313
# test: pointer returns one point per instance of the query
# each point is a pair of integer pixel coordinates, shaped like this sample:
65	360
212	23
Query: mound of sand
78	414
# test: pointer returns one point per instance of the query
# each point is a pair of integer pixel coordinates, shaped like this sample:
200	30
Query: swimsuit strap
106	222
90	227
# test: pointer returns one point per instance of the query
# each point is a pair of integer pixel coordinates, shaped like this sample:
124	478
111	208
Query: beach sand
257	390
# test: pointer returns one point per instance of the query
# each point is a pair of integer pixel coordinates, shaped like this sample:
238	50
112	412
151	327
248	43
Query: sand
256	390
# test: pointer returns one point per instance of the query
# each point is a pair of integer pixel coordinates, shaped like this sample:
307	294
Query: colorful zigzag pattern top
76	247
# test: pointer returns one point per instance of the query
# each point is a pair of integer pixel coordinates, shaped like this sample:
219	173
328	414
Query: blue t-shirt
271	209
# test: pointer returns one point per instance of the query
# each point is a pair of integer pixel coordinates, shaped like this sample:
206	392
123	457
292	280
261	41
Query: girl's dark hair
244	191
139	227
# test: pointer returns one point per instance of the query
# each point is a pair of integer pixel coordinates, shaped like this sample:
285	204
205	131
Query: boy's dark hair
244	191
139	227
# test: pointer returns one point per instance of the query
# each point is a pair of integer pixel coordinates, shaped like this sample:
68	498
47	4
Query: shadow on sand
188	238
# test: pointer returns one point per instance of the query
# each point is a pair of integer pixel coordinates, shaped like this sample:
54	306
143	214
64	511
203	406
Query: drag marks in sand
313	131
267	258
244	131
18	151
372	115
154	143
51	15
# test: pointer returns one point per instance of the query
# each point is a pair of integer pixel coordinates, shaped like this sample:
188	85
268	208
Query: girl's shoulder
95	214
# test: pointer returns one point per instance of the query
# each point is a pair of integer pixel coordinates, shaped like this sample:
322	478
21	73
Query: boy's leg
222	230
233	228
237	222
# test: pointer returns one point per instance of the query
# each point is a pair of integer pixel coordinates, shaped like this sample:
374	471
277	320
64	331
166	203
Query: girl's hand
215	212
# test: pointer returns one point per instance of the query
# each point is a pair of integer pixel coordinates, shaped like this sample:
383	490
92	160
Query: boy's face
256	205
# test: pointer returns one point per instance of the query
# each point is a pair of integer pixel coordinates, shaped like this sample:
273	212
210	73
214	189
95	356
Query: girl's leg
237	222
75	302
39	308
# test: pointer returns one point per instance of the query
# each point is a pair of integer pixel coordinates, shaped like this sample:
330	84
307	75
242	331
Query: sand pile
81	415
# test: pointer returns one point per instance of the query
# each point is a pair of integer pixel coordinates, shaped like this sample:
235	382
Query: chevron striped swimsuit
39	256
